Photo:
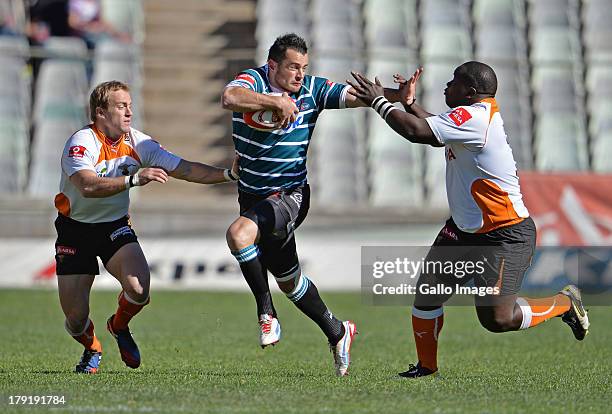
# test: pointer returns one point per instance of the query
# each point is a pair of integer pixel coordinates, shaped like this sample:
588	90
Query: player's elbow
228	99
89	191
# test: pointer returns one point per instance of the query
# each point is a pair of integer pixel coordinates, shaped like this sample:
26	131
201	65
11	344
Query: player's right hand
287	110
146	175
407	88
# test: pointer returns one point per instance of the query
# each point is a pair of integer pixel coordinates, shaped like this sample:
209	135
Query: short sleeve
249	79
152	154
77	156
460	125
328	94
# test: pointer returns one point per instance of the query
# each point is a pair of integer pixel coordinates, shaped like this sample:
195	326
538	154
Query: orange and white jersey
482	184
89	149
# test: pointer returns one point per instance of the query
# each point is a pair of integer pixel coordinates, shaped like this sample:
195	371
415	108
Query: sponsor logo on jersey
295	124
304	106
460	116
330	83
76	151
65	250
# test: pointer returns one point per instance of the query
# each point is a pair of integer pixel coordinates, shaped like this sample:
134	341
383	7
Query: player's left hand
364	89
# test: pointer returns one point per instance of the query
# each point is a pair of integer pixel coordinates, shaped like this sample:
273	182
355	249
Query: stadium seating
435	179
337	145
494	13
61	91
126	16
72	48
396	167
561	143
553	59
14	143
49	141
602	151
390	26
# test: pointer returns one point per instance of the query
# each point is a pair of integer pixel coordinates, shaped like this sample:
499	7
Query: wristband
229	175
127	182
134	180
382	106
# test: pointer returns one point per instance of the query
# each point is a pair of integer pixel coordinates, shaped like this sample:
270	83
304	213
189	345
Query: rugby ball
263	120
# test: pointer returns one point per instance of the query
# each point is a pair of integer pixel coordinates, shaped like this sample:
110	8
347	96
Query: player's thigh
74	293
129	266
437	281
75	248
279	214
507	262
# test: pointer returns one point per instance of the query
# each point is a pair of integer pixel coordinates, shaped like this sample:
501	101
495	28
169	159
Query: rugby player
488	217
100	163
273	191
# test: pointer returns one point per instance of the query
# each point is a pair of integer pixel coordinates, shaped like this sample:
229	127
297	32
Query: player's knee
241	234
76	319
135	290
288	286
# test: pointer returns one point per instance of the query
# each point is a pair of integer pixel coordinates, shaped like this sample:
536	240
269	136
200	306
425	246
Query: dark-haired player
273	190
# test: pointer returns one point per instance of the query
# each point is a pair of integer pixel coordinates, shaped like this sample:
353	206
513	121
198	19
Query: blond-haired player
100	163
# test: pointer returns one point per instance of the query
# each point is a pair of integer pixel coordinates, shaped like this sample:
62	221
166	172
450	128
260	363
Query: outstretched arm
410	126
353	102
197	172
92	186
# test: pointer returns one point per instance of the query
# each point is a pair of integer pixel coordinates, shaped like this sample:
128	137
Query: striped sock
256	276
307	299
426	326
536	311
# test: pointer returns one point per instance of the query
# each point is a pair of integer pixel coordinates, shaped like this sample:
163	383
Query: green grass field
200	354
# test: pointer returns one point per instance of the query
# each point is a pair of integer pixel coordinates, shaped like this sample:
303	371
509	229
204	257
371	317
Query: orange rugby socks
536	311
87	337
127	309
426	326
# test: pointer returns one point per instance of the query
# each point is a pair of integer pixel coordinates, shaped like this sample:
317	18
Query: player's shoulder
136	136
258	74
475	114
84	136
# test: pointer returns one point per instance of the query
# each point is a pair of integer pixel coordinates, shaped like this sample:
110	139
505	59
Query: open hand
364	89
407	88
